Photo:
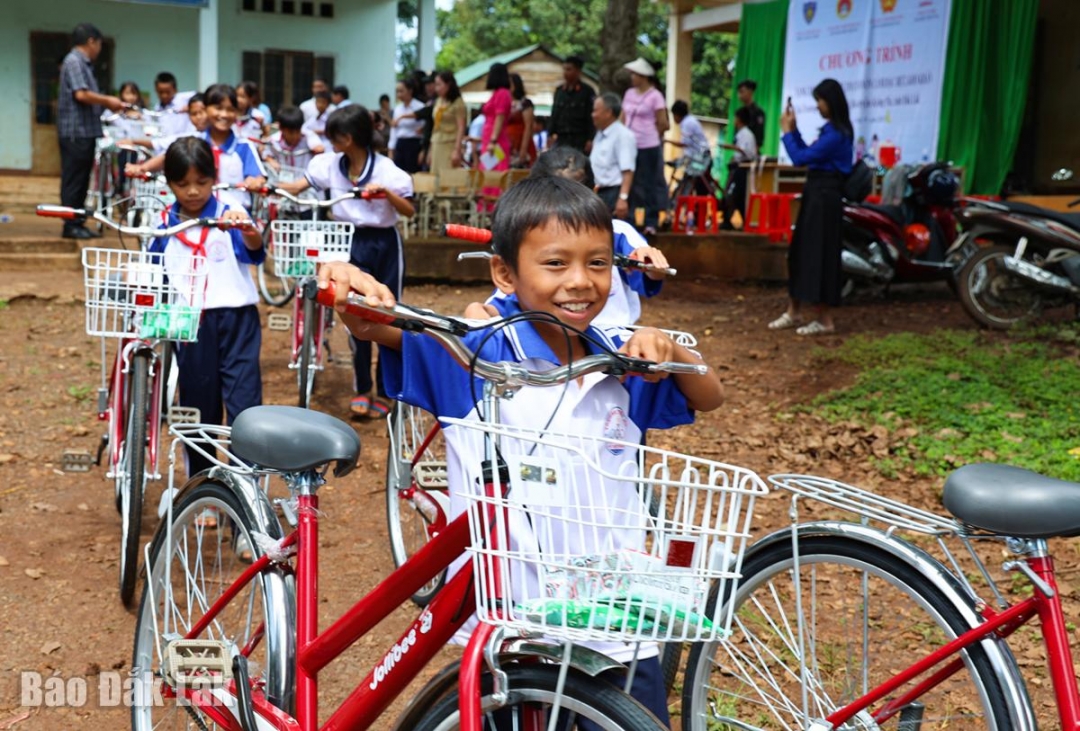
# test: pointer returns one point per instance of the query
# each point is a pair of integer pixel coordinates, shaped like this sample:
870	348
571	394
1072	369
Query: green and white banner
889	55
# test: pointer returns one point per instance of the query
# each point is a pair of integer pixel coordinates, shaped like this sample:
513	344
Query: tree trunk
618	43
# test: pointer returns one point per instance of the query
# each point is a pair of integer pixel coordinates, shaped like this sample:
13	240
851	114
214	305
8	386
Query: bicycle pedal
76	460
431	475
279	321
184	415
190	663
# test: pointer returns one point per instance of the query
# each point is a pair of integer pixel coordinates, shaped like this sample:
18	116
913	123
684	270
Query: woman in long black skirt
814	274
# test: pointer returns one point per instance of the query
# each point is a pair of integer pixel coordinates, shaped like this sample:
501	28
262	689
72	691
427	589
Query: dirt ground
59	532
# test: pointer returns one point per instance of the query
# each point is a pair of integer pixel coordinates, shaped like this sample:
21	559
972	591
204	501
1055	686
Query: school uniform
814	270
250	127
627	287
317	126
236	160
294	156
376	245
423	374
406	137
738	175
220	370
175	121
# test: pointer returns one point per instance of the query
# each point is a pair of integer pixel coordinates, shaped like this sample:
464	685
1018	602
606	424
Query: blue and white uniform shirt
425	375
228	280
236	160
331	172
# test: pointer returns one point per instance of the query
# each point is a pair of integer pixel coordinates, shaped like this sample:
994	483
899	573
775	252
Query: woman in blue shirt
814	274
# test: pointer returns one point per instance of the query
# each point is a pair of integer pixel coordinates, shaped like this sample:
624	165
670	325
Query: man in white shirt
308	107
693	139
174	103
746	151
613	155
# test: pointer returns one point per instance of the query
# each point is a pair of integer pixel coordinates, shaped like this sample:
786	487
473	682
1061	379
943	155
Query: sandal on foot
784	322
379	409
814	328
360	405
208	518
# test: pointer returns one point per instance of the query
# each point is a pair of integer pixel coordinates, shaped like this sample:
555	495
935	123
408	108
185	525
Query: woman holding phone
814	273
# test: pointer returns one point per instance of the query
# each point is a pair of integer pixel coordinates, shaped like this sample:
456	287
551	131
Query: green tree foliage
473	30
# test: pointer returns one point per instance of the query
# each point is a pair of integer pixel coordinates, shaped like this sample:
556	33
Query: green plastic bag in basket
170	322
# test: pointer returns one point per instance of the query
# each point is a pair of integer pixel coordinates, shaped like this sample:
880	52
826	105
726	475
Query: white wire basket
299	246
285	174
685	339
143	295
146	192
591	538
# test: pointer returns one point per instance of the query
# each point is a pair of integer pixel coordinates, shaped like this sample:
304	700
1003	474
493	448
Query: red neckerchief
197	249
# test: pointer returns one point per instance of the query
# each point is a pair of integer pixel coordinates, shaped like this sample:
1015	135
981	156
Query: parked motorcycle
1028	260
914	241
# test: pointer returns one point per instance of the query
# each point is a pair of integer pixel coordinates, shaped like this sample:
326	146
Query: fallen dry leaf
34	573
50	647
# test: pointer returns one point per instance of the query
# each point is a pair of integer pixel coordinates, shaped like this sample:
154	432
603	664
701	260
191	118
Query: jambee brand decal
401	649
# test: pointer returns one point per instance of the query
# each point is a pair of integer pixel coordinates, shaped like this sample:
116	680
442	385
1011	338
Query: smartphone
790	105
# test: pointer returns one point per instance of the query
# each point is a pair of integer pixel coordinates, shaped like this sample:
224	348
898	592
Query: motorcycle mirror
1062	175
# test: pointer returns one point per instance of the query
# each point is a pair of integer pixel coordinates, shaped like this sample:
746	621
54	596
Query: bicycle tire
406	523
755	674
195	584
584	697
275	289
132	466
305	372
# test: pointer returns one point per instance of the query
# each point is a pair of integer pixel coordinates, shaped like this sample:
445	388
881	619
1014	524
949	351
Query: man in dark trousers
78	122
746	90
571	111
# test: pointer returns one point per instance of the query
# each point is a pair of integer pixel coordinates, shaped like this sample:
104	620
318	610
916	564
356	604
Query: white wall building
280	44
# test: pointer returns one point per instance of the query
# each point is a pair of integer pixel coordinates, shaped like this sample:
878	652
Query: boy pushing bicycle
553	255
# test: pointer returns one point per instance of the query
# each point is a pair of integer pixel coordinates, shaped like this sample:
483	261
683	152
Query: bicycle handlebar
448	331
483	236
315	203
49	211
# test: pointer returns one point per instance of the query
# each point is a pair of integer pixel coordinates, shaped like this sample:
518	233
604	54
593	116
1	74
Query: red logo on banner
843	9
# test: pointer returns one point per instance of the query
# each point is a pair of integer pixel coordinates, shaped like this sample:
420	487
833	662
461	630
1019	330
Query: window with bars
47	52
284	77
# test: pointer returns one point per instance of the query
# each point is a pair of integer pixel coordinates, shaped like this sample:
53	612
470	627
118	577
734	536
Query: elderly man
78	122
613	156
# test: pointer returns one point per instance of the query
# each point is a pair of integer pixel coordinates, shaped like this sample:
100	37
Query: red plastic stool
769	214
694	213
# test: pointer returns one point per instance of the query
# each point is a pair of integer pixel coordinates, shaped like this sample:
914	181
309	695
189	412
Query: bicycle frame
321	325
941	664
420	642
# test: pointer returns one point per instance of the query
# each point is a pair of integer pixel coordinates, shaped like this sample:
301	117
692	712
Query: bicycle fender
589	662
997	650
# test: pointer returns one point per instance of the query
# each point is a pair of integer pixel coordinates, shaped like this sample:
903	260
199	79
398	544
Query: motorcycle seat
1072	220
896	213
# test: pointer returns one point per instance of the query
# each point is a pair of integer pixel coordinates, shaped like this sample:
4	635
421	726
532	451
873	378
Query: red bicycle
847	625
145	301
208	618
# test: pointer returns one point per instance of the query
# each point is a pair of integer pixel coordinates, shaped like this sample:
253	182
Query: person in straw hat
645	114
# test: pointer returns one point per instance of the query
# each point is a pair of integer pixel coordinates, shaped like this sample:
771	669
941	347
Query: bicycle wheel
190	566
414	497
866	615
275	289
131	472
170	378
305	372
531	694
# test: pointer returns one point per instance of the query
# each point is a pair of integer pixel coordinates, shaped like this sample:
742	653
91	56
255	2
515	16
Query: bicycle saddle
1013	502
291	439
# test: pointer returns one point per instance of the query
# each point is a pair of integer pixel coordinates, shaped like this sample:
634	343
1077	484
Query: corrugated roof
474	71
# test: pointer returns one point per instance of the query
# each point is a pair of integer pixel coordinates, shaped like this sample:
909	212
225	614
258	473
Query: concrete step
20	194
39	245
27	262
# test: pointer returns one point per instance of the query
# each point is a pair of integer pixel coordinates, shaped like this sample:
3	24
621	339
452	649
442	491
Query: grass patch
970	398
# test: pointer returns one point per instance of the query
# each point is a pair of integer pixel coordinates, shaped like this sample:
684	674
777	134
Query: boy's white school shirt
161	144
236	160
251	127
331	172
228	281
295	157
175	122
424	375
